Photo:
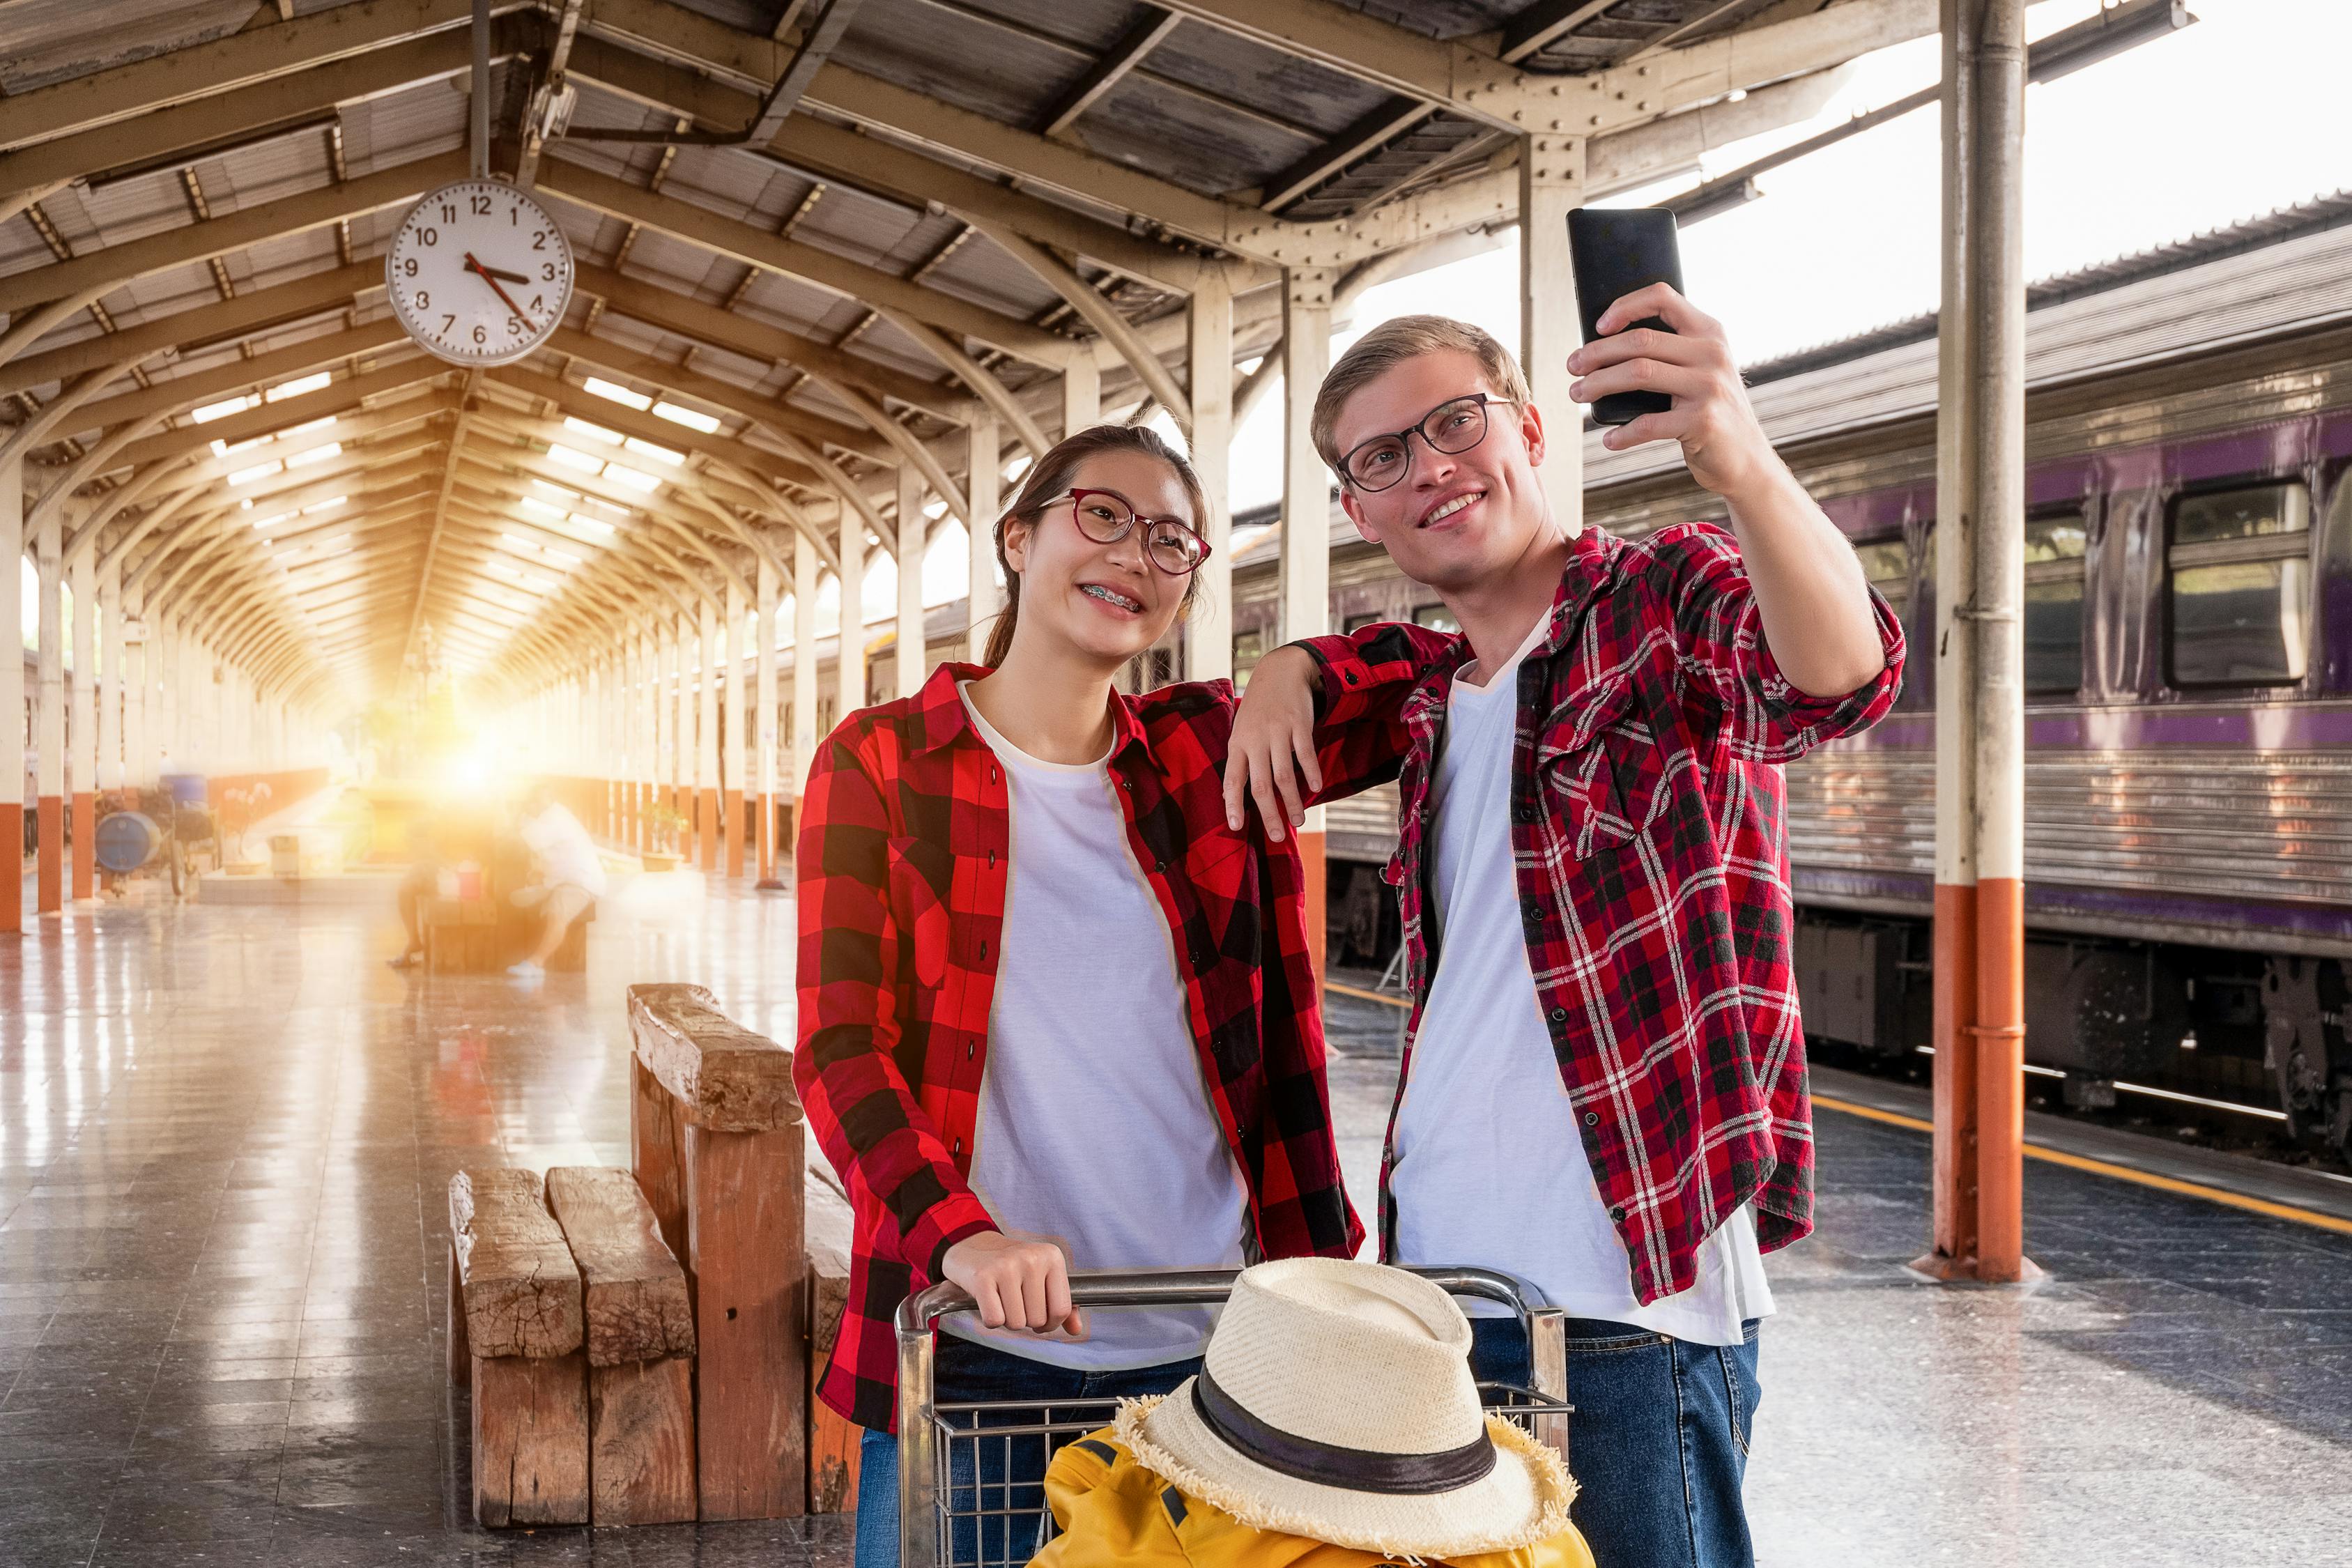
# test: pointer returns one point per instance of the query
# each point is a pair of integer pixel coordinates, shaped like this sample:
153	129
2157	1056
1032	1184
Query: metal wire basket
950	1517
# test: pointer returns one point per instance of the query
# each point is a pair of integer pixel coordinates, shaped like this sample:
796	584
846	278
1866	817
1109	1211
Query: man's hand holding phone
1019	1282
1722	441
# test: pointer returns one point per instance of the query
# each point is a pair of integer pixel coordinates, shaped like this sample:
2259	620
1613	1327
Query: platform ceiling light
613	392
594	432
658	454
2115	29
634	478
297	387
317	507
221	410
691	418
315	454
258	471
573	458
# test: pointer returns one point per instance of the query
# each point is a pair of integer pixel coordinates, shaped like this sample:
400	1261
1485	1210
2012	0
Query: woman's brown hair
1052	476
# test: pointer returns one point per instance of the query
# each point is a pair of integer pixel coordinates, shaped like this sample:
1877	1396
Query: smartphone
1613	251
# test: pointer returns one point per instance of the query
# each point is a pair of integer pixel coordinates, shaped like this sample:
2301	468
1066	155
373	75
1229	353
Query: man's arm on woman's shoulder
1322	720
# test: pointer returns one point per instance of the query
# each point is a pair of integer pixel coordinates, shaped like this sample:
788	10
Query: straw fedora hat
1336	1403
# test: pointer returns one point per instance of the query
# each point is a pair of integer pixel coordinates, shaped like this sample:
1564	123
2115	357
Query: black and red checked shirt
1651	853
903	863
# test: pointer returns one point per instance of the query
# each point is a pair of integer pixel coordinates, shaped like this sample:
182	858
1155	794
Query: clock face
479	273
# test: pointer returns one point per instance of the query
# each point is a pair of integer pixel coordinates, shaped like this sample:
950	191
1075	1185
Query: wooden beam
1150	28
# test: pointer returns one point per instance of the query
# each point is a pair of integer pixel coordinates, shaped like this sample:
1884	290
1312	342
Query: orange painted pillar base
12	849
1311	856
49	873
763	837
706	829
85	847
735	833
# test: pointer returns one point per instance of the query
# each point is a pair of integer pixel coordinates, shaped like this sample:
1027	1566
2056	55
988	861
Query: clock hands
491	277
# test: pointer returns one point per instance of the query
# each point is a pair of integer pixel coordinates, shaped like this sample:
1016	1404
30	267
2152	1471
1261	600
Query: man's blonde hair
1392	343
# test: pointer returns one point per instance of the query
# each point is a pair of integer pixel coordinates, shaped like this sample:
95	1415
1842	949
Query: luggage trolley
933	1437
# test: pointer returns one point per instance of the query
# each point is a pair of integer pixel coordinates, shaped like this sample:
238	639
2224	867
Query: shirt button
1559	1015
1159	865
1199	959
1617	1214
1524	812
991	773
1592	1118
1349	678
983	951
1535	911
991	859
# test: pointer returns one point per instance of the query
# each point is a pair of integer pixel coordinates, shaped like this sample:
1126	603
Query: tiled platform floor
224	1136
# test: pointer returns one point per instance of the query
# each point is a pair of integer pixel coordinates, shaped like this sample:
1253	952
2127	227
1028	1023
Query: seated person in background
423	881
571	875
1333	1424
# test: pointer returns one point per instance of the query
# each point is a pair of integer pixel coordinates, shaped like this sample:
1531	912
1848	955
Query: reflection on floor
225	1134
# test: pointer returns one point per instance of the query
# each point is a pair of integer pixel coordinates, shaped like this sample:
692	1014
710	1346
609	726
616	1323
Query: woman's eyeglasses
1450	428
1105	517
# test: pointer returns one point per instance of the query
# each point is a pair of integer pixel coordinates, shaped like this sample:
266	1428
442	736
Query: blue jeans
1659	1441
1010	1473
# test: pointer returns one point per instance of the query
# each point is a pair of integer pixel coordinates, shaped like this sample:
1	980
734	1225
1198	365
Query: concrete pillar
82	762
1306	522
665	725
648	704
49	882
137	657
1980	932
1551	183
12	695
1209	640
710	645
112	655
850	667
682	783
983	599
805	566
735	754
768	589
1081	396
909	656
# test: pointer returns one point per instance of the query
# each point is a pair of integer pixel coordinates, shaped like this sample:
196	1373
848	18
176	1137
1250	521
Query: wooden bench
640	1343
516	1329
832	1442
571	955
461	935
718	1149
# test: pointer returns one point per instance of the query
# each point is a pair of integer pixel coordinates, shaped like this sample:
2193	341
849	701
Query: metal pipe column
1980	942
49	806
82	757
12	694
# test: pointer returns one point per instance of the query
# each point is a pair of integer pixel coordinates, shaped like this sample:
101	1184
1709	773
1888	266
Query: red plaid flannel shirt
902	864
1652	877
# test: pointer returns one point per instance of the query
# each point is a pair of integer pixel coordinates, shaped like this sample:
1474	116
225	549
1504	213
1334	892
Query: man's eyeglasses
1450	428
1105	517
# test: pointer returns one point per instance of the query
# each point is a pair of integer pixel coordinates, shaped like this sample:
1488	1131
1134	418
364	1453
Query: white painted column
910	658
734	770
763	722
138	659
985	480
710	645
12	694
1306	483
1551	183
805	566
850	680
1209	640
49	569
109	677
1081	396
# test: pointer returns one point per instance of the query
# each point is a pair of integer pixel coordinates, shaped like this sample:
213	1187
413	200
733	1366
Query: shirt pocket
1598	760
920	875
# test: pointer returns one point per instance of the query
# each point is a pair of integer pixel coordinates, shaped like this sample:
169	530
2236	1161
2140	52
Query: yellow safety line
1362	995
2119	1172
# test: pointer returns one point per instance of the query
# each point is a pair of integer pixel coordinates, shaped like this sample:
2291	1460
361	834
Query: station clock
479	273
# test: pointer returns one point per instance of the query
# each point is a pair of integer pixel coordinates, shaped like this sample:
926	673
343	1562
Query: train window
1436	617
2054	546
1888	563
2239	586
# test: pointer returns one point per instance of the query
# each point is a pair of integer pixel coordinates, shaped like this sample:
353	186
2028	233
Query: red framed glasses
1107	517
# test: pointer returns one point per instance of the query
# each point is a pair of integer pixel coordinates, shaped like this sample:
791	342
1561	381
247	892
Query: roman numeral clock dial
479	273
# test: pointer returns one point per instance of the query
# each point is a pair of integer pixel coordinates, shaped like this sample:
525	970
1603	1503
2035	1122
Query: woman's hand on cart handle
1019	1282
1273	744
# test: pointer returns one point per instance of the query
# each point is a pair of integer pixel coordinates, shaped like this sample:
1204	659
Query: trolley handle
920	1313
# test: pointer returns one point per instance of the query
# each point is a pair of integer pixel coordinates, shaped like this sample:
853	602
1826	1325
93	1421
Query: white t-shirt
1094	1125
1490	1168
566	853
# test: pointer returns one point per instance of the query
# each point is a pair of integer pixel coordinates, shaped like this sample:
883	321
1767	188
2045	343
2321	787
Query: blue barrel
187	789
126	841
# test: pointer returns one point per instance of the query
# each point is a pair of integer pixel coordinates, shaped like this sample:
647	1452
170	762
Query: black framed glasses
1107	517
1452	427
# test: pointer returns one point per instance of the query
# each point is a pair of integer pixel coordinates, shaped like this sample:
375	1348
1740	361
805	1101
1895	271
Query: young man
1605	1092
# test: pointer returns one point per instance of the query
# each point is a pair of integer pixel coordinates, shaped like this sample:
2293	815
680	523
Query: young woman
1053	1012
